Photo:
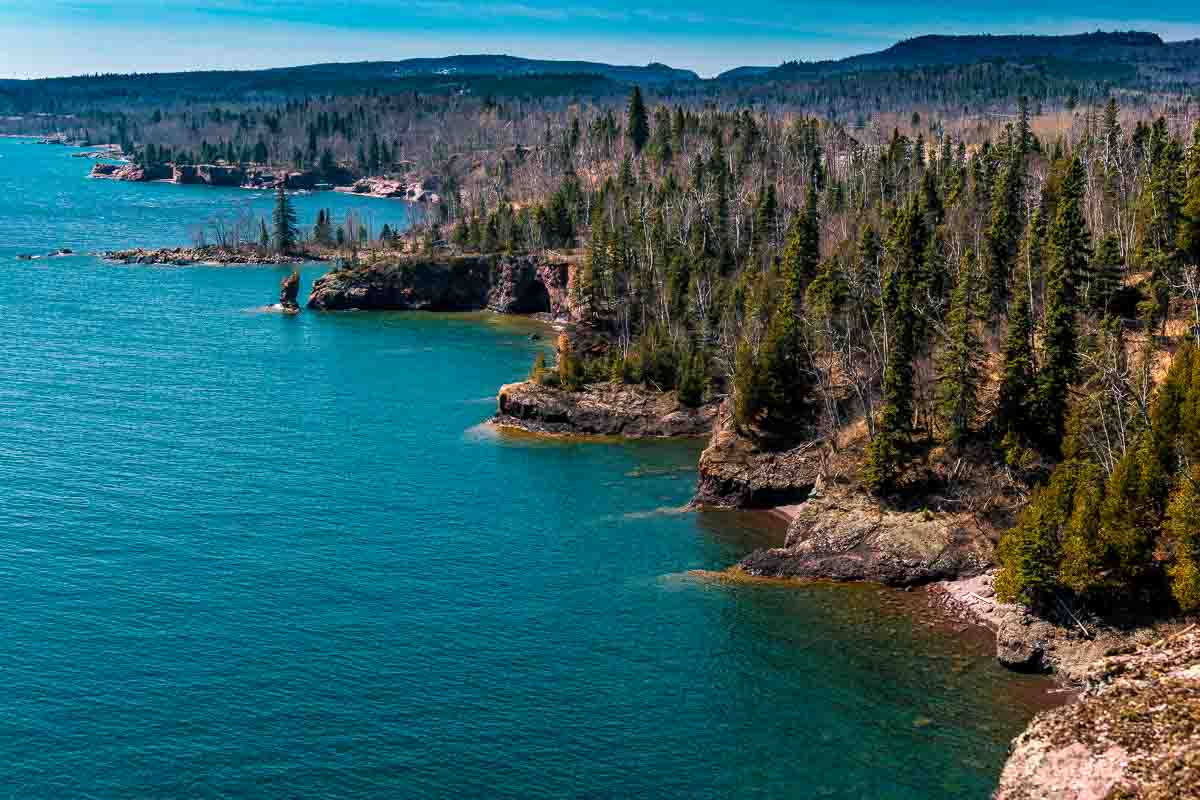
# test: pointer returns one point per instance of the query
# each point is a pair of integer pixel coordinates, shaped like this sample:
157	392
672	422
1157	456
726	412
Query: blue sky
68	37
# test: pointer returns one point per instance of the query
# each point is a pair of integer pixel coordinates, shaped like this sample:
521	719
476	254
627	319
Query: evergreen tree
1069	253
1004	233
1107	272
1188	238
1183	534
802	255
639	121
284	219
958	363
1014	411
264	237
888	450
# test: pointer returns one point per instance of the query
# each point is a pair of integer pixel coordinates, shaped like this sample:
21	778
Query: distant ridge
944	50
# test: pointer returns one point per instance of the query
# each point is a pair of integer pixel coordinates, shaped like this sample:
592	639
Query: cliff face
506	284
1134	733
849	537
219	175
131	172
736	473
604	409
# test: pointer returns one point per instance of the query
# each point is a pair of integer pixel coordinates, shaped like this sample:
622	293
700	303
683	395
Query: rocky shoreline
212	255
1133	733
602	409
423	190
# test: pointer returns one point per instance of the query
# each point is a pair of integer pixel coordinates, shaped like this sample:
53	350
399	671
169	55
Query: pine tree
639	121
1004	233
888	450
1070	250
1182	529
264	237
802	255
1188	238
1014	411
284	219
1107	273
958	363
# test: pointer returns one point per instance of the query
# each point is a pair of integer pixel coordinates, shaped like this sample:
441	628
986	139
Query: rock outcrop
849	537
529	285
603	409
221	175
423	191
735	472
506	284
1134	733
211	254
131	172
289	289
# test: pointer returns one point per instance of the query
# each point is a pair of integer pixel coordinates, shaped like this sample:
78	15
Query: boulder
850	537
603	409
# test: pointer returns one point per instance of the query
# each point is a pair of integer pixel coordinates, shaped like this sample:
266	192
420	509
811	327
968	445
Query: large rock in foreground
507	284
735	472
605	409
850	538
1134	733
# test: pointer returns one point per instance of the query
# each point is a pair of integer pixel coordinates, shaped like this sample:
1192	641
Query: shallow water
249	555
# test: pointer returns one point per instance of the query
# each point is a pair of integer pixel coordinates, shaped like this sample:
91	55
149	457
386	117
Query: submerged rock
1134	733
603	409
851	538
289	288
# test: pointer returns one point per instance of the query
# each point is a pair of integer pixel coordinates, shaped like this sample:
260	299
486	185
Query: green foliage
284	220
1183	535
639	121
1113	537
888	451
1015	412
959	365
538	372
1070	250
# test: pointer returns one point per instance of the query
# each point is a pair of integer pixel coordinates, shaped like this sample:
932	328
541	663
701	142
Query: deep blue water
244	555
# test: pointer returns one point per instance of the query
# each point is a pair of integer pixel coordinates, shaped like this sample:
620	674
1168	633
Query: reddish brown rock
602	409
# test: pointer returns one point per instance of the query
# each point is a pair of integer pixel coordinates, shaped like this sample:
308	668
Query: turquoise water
245	555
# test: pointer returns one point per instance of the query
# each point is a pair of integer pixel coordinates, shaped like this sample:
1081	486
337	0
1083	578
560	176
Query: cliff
506	284
220	175
735	472
1134	733
602	409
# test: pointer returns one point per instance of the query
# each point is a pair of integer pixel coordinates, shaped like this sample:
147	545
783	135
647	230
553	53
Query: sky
40	38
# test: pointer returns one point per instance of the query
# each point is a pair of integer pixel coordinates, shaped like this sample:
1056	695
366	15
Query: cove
255	556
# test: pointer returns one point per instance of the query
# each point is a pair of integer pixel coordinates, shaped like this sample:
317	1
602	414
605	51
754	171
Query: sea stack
288	290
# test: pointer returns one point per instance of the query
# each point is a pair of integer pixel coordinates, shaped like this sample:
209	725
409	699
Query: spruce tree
958	363
888	451
1107	272
1183	537
1069	254
284	219
1003	234
639	121
1014	410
